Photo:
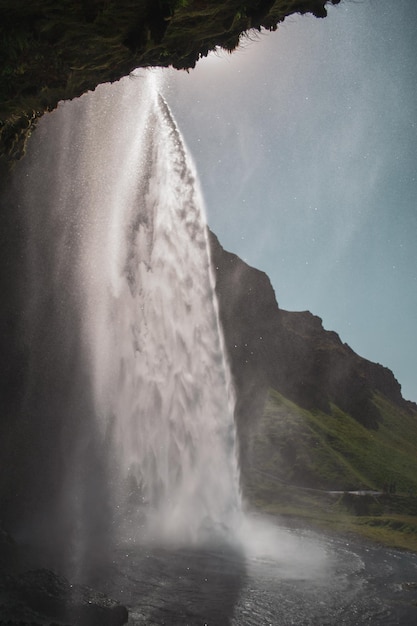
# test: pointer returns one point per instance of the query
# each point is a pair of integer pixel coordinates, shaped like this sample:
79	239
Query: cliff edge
56	50
291	352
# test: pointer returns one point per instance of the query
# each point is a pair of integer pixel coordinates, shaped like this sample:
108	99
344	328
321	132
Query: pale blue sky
306	146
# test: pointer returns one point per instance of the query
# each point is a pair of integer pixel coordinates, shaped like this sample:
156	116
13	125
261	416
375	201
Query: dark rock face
42	597
9	554
290	352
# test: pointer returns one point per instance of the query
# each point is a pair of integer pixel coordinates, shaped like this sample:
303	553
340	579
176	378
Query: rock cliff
57	50
290	351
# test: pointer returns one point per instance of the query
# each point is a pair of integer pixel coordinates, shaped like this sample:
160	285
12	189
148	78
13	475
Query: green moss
300	456
55	50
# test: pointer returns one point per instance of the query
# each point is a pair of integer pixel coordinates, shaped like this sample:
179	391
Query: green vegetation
53	50
300	457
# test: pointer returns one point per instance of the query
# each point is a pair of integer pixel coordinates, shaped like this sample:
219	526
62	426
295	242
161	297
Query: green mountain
313	417
332	451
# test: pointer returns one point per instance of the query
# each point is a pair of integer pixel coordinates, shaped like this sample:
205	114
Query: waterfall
127	369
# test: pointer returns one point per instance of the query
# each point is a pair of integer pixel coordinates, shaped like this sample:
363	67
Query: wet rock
9	556
410	586
44	597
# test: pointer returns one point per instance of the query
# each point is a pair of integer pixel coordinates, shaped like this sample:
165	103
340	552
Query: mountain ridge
291	352
324	435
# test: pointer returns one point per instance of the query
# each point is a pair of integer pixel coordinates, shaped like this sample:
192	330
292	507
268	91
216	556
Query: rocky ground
41	597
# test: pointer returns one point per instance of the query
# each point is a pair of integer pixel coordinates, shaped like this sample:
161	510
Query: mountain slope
332	451
334	420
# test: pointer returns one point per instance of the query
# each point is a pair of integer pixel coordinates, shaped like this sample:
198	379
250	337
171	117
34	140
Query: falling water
122	317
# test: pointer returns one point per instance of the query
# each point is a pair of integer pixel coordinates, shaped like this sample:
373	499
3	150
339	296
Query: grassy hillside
298	457
346	428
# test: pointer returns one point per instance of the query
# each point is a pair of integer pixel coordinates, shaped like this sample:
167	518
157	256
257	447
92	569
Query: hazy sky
306	146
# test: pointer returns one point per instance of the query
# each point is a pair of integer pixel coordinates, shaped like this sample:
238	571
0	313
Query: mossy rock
54	50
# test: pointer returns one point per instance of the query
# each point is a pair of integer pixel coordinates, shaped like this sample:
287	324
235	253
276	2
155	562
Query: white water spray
132	263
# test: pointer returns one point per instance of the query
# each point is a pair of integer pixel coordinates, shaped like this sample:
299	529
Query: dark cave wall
57	50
